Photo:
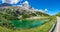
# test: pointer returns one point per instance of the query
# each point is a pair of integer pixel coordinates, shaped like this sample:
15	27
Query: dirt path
57	29
36	17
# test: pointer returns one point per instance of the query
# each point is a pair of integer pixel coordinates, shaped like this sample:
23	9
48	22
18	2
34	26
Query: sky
50	6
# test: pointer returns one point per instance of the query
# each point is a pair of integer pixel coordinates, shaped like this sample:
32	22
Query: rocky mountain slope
20	12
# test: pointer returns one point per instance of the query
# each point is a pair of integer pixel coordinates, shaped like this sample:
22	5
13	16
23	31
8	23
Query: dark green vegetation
13	19
14	12
43	28
41	14
58	14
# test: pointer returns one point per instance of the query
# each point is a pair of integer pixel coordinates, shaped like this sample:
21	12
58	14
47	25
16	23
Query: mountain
5	4
18	12
24	11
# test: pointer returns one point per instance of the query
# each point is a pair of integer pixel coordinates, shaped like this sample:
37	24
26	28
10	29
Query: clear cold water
27	23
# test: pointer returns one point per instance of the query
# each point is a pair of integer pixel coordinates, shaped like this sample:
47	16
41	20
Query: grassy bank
43	28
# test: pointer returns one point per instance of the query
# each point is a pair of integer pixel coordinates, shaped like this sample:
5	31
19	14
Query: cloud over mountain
11	1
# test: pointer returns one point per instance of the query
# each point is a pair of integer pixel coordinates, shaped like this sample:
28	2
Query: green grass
43	28
7	14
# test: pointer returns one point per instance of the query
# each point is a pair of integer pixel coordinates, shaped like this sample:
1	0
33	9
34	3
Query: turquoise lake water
27	23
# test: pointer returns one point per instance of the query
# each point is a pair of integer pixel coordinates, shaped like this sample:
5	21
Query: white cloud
11	1
46	9
25	2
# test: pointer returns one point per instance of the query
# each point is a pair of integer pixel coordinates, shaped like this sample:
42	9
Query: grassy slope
44	28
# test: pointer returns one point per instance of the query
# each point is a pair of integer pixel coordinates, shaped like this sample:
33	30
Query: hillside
58	14
26	16
14	18
10	12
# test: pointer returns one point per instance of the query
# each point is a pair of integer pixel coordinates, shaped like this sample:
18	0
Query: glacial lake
24	24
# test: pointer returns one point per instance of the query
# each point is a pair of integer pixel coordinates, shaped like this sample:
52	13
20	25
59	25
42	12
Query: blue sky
53	6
